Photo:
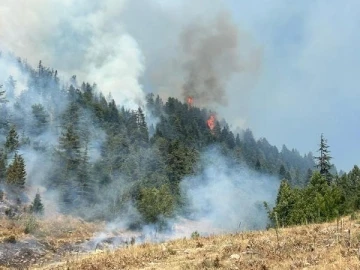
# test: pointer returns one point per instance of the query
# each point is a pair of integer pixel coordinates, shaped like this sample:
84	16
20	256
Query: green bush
195	235
37	206
155	203
30	225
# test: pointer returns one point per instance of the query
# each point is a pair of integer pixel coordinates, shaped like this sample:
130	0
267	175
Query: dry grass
63	229
27	241
66	230
10	228
320	246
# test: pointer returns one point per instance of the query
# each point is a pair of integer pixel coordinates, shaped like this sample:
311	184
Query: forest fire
190	101
211	122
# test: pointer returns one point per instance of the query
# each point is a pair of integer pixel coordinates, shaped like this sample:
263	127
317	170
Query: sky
306	52
309	81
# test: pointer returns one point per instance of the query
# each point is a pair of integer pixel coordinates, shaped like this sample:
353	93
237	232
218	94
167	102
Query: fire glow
211	122
190	101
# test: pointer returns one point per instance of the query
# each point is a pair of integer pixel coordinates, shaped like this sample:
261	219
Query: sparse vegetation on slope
333	245
27	240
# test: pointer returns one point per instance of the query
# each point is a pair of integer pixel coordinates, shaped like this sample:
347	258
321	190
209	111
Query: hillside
152	134
100	161
116	177
333	245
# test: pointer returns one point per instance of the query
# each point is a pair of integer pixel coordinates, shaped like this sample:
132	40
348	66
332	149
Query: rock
235	257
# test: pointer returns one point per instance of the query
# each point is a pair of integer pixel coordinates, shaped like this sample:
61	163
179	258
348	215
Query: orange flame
211	122
190	101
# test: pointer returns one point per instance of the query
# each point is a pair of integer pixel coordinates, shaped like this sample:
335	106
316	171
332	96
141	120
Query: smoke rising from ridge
198	51
212	55
93	41
201	51
80	38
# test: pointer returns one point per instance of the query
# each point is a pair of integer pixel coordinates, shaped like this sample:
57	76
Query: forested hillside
65	138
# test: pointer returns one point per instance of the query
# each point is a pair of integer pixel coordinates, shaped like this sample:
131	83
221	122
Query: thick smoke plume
80	38
197	51
211	57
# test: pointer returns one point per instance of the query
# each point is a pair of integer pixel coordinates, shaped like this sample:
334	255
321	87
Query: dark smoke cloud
193	48
211	57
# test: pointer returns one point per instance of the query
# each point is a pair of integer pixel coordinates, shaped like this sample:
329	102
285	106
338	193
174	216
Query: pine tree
323	161
237	140
2	95
284	204
16	174
309	174
83	177
324	200
71	116
70	149
142	127
258	165
40	68
288	176
41	118
10	86
37	206
113	112
12	140
150	102
230	140
2	166
282	172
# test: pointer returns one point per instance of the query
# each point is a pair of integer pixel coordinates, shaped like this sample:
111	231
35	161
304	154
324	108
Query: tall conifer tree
323	160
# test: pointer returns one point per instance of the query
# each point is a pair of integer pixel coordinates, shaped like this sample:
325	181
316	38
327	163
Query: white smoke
77	37
227	196
8	67
223	197
90	40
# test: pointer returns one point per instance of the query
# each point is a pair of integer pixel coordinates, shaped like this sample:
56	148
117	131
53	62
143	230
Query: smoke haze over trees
94	141
83	151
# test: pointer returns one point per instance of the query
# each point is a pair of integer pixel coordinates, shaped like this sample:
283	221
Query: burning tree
190	101
211	122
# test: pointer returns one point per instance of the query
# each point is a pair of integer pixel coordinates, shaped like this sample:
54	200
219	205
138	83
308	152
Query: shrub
30	225
37	207
195	235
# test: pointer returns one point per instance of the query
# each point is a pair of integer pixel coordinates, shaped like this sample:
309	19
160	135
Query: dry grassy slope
25	241
319	246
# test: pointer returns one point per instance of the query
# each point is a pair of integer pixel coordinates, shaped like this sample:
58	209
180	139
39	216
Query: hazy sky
309	83
306	51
